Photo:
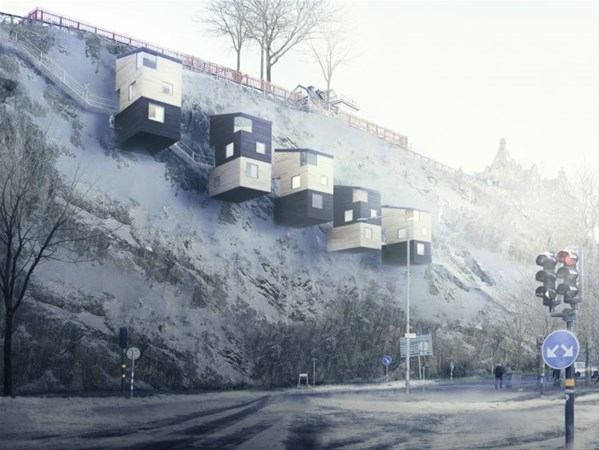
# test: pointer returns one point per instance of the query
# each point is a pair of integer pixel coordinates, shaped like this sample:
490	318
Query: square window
420	250
373	214
260	148
229	150
242	124
368	233
308	158
324	180
349	215
131	91
402	233
251	170
317	201
296	182
146	60
359	195
167	88
156	113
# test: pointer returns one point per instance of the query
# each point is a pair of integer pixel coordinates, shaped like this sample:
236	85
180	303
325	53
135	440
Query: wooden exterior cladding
305	193
242	154
149	89
356	220
400	225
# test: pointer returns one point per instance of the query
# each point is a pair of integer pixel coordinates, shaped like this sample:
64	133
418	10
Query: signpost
560	349
386	360
419	345
133	353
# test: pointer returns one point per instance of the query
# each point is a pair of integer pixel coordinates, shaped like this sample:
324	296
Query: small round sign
387	360
560	349
133	353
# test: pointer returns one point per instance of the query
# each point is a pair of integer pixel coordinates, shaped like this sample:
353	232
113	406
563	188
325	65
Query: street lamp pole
408	323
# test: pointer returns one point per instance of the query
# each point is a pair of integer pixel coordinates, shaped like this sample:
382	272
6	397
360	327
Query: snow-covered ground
469	415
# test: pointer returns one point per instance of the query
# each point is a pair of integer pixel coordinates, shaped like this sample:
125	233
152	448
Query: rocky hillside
214	293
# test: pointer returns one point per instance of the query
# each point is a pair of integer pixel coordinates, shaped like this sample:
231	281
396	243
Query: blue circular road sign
387	360
560	349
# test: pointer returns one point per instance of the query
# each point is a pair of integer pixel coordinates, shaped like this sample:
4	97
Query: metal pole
386	373
132	376
570	391
408	324
313	371
123	365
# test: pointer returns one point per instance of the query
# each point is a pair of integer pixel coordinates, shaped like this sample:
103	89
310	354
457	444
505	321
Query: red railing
199	65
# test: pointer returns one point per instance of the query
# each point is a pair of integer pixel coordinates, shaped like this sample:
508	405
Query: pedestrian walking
499	370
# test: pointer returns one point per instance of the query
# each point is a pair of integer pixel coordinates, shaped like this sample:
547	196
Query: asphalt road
462	415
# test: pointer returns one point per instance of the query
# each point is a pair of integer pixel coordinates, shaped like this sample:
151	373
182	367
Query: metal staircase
195	159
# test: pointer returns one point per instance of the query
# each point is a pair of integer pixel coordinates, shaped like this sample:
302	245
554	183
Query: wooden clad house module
402	225
149	87
304	178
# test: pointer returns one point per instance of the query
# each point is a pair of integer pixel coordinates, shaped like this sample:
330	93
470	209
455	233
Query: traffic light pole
570	391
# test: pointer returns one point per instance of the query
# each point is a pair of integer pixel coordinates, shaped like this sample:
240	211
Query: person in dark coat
499	370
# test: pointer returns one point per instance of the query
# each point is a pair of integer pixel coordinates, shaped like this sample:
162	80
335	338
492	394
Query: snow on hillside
188	274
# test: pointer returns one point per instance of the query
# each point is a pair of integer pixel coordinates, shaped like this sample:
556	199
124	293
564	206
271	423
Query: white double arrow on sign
568	351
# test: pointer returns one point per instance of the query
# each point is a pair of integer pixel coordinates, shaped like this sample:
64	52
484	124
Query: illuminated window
296	182
373	214
242	124
317	201
260	148
359	195
324	180
131	91
167	88
251	170
349	215
420	250
229	150
156	113
368	233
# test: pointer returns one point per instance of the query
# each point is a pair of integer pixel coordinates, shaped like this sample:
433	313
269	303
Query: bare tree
330	50
37	220
228	18
280	25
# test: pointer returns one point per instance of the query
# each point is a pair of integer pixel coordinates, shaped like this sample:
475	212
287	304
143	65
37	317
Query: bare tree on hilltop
280	25
37	218
330	49
229	18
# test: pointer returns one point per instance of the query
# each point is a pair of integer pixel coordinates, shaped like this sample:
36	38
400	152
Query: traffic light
548	277
568	277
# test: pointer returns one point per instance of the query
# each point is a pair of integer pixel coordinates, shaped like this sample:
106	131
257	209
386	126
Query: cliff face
201	283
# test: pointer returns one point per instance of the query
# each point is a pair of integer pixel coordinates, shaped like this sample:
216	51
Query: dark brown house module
356	219
243	154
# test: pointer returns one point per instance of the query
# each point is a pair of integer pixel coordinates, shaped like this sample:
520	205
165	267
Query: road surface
463	415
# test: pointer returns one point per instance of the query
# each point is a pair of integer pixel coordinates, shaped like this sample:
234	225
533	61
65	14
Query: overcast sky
452	76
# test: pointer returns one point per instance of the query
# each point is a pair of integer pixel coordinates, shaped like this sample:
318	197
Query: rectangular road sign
419	346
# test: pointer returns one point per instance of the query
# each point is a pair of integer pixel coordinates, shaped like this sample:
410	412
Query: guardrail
196	158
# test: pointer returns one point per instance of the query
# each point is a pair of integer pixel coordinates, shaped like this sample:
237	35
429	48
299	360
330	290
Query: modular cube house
305	187
149	89
242	154
356	220
402	225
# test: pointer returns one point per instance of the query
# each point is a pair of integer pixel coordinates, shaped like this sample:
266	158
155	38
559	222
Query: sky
455	77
